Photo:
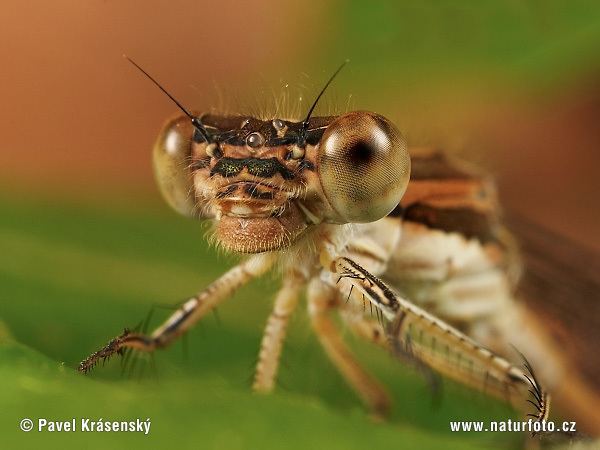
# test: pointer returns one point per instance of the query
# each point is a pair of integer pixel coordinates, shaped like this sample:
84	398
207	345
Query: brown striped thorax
267	182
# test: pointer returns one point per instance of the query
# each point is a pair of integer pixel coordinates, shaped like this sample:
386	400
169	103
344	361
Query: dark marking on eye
361	153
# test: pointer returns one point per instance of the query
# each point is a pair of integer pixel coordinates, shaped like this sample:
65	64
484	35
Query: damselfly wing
560	289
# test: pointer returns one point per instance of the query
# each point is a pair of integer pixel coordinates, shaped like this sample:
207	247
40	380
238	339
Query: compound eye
364	167
171	158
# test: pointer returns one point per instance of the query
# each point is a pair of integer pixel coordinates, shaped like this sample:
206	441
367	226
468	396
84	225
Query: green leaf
73	276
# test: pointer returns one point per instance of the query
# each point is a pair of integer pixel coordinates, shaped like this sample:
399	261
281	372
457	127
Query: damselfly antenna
312	108
195	121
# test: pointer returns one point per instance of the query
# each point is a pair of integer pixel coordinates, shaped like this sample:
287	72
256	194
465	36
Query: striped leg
365	328
272	341
573	394
436	343
321	299
374	332
186	315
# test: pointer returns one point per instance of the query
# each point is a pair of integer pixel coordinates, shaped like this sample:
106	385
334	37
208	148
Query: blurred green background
87	246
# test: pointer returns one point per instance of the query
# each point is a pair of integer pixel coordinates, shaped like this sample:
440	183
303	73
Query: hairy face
252	182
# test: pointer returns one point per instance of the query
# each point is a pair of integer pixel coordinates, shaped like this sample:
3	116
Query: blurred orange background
512	85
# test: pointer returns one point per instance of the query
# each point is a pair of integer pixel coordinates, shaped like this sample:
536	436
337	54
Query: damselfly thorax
333	205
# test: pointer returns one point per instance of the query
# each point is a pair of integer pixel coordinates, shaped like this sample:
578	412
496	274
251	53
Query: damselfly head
266	189
267	182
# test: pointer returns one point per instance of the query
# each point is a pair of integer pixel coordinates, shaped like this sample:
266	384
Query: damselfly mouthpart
346	213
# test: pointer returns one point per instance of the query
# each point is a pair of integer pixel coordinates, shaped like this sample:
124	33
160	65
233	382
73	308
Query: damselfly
347	213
